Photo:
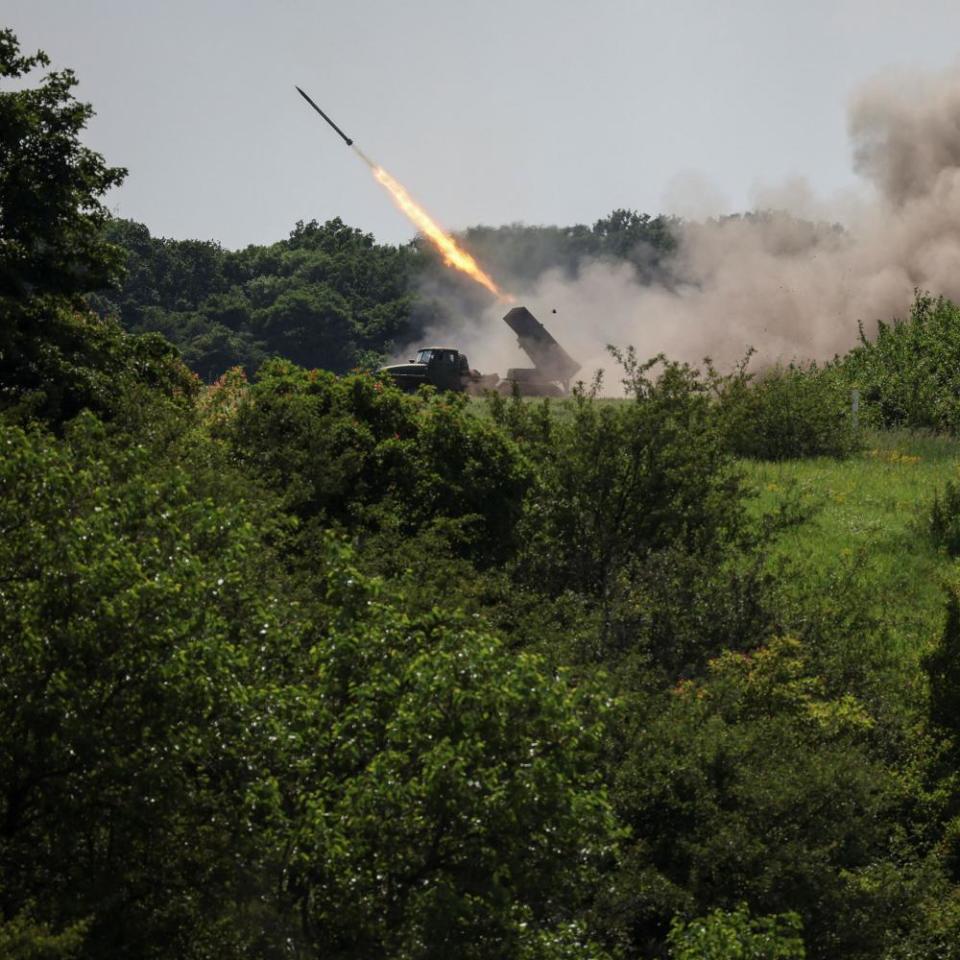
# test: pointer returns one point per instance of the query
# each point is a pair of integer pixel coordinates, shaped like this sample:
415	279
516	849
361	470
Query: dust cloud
790	282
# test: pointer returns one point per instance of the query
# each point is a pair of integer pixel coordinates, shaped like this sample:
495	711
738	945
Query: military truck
447	369
444	367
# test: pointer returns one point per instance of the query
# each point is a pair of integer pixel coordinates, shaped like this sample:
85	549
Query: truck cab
443	367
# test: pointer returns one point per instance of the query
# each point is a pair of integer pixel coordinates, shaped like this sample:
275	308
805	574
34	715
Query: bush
202	755
445	796
620	481
787	413
758	783
909	374
130	610
57	360
680	608
356	453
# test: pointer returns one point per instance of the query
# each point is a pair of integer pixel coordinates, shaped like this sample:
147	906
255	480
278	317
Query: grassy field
864	543
866	539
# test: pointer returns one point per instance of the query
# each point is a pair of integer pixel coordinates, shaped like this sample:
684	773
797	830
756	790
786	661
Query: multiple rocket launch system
553	367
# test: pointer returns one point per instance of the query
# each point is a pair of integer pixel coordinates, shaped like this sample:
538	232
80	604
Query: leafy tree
201	757
312	326
61	360
55	357
760	784
218	348
636	238
522	253
735	935
450	803
907	374
130	608
51	217
322	297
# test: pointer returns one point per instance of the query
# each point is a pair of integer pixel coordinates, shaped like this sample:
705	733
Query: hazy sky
541	111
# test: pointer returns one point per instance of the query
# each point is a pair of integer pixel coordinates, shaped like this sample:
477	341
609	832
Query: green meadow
864	535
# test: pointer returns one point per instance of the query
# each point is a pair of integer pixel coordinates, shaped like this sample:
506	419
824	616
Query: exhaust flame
452	254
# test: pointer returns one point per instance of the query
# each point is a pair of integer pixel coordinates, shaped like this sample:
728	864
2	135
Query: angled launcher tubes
553	368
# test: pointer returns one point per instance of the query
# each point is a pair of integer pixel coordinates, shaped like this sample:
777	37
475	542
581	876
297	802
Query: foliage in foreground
379	776
182	737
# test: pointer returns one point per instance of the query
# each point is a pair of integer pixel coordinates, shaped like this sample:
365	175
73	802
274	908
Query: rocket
346	139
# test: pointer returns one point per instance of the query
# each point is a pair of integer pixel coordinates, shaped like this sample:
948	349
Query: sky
489	111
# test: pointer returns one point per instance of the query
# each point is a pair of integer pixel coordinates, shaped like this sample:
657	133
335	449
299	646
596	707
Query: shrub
787	413
444	796
57	360
909	374
357	453
758	783
619	481
130	608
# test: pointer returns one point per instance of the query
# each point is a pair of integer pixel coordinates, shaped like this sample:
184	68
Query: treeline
309	667
329	295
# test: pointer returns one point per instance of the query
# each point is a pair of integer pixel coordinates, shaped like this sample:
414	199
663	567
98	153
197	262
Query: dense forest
297	665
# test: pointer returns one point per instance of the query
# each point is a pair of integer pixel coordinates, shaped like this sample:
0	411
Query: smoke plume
790	283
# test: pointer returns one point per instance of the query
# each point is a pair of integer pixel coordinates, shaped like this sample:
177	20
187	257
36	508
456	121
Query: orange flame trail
452	254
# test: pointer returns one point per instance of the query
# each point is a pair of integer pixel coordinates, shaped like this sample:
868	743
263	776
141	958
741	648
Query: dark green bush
909	374
57	359
757	784
619	481
356	453
787	413
202	755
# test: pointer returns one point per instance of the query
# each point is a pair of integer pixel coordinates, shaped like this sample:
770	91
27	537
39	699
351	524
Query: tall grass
866	540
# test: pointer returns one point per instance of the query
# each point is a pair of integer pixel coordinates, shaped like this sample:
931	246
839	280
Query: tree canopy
56	356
